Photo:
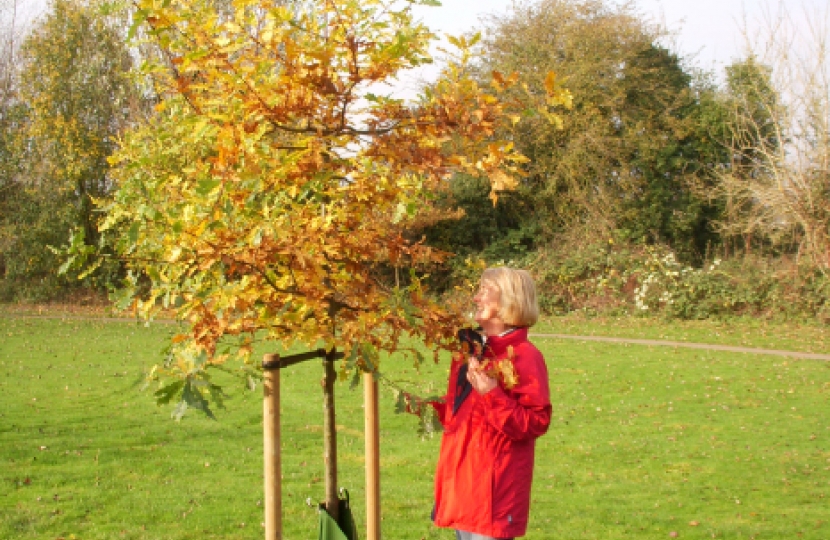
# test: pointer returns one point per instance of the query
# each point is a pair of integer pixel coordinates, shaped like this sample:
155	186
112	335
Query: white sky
709	31
26	9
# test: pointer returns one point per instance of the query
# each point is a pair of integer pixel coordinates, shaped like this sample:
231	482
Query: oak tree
269	196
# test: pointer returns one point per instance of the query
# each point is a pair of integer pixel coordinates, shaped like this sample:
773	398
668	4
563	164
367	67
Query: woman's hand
480	380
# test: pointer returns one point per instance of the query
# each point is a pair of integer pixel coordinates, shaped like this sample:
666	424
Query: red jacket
484	472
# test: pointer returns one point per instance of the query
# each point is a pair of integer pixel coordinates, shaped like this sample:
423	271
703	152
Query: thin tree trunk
330	434
271	448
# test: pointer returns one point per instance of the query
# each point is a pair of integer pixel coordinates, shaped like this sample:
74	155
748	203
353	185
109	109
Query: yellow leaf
499	181
550	82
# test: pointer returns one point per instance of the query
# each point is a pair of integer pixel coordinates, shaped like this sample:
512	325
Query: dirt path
705	346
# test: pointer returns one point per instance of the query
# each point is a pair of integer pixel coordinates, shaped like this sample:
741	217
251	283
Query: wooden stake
271	433
372	438
330	435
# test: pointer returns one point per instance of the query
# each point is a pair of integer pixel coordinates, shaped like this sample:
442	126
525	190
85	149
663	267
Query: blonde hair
519	306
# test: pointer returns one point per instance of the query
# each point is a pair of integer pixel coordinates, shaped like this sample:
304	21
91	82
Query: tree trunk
330	434
271	448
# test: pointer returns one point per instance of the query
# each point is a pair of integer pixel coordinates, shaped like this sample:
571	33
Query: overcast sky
707	33
707	30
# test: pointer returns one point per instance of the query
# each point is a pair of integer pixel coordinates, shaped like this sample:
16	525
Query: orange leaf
550	82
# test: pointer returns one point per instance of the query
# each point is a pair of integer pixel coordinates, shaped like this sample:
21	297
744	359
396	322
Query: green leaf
194	398
354	354
66	265
430	425
138	18
370	357
355	382
400	402
132	233
123	297
179	411
207	185
197	54
218	395
91	268
164	395
419	358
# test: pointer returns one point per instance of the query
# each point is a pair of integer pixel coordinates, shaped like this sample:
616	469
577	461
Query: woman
491	422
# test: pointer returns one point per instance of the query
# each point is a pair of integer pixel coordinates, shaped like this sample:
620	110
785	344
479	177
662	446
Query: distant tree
778	100
74	96
12	117
10	35
630	147
753	138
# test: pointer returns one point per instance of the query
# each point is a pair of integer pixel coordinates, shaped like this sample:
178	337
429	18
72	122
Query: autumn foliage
269	196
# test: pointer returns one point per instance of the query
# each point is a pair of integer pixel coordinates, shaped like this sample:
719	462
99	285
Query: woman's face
488	303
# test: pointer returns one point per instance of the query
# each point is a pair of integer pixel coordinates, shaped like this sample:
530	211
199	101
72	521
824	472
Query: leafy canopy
270	194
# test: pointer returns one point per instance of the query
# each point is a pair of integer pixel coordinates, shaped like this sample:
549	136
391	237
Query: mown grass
645	441
808	336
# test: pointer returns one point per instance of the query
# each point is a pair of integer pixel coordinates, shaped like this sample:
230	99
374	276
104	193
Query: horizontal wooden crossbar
284	361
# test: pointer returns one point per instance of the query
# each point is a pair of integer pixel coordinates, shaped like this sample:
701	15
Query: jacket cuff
495	397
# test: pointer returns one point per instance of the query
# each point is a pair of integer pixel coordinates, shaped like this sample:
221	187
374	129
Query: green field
747	332
645	441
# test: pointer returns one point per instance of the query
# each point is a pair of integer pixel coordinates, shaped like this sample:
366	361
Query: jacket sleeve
442	408
524	412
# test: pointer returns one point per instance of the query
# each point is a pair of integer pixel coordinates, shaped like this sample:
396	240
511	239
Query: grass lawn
645	441
808	336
